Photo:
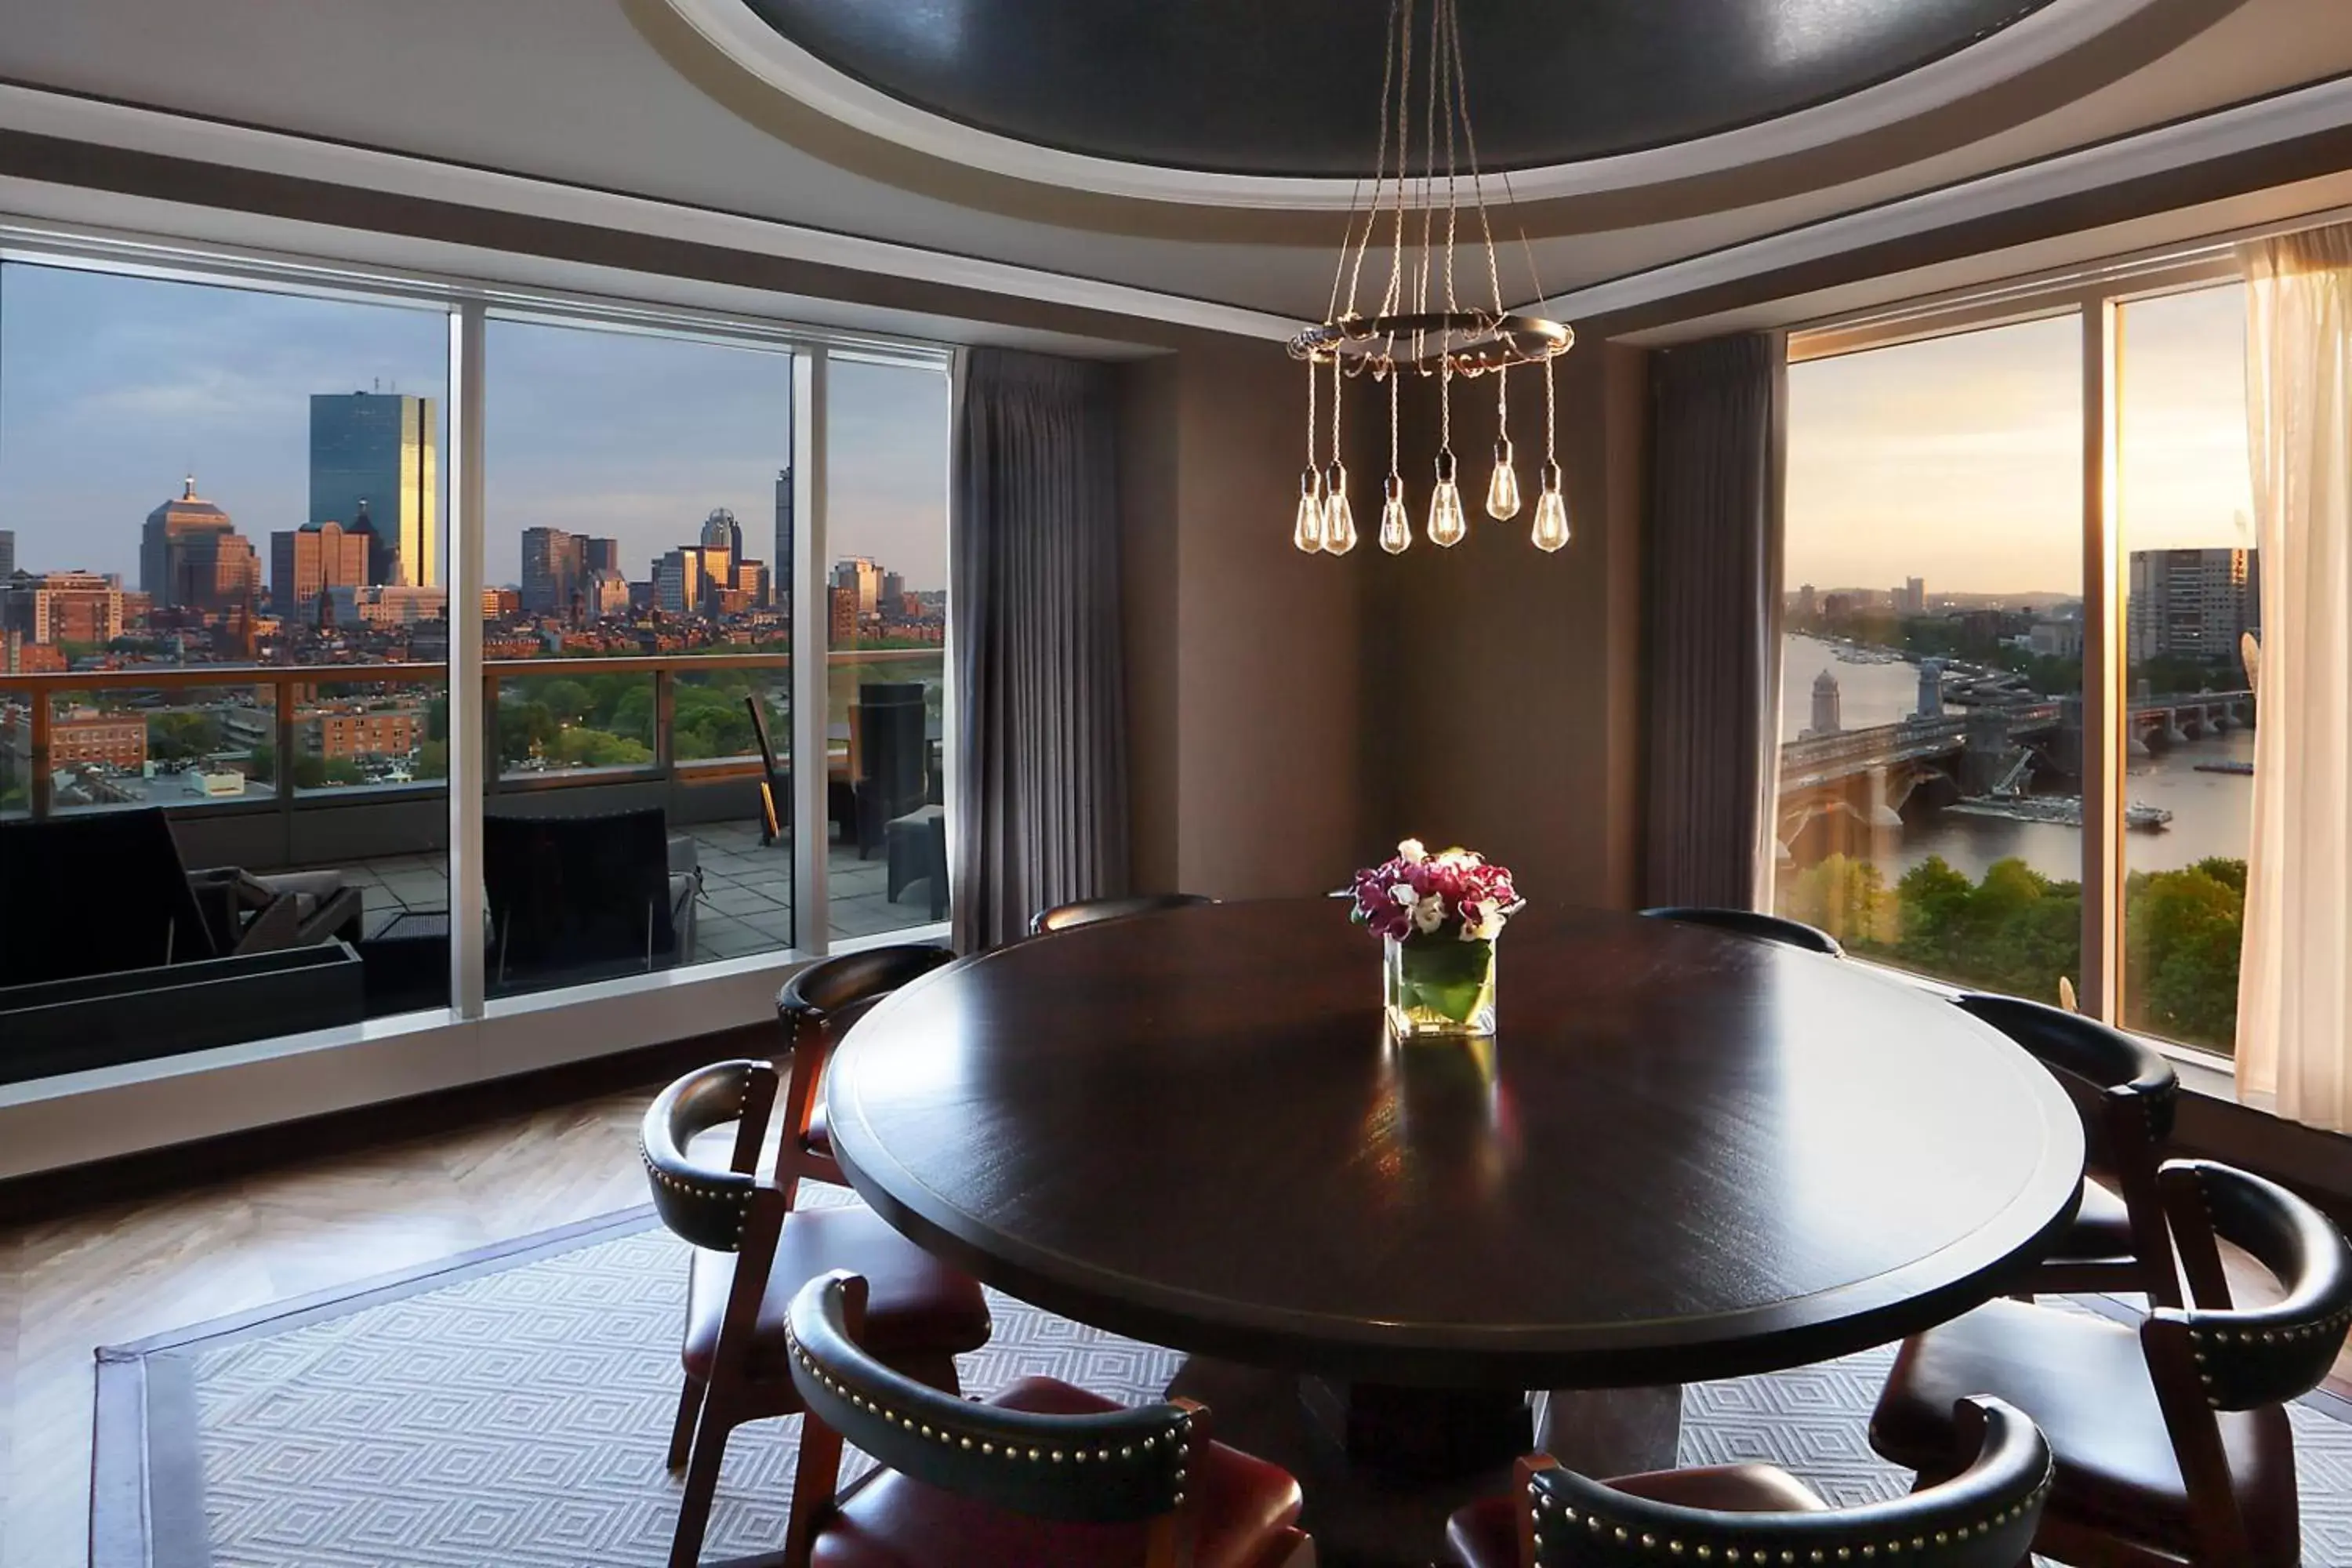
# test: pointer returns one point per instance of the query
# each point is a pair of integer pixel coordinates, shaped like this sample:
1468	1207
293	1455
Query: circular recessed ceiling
1289	88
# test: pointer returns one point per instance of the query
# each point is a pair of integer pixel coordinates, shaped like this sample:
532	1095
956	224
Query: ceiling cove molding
2286	117
737	32
134	128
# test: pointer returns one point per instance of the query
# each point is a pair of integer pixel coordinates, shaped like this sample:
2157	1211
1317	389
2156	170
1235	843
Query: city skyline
117	388
1958	459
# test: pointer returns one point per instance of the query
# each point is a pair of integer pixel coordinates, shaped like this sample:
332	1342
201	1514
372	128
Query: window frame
2095	298
556	1025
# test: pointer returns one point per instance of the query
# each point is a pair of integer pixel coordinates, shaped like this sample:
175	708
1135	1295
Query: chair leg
689	1410
701	1487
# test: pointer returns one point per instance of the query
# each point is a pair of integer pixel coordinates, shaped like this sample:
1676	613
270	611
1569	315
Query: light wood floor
133	1269
121	1273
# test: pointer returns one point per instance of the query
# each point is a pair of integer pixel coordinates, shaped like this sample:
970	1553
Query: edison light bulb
1339	516
1503	490
1308	534
1550	531
1396	528
1446	524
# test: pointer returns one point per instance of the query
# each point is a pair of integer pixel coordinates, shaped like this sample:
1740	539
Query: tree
181	735
2182	933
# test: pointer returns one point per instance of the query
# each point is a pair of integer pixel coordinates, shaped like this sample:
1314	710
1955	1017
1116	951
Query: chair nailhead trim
1541	1503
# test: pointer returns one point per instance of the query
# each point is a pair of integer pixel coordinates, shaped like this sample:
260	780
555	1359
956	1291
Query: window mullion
2103	666
469	738
811	627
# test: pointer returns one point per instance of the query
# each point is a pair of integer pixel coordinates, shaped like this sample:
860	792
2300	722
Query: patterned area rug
512	1408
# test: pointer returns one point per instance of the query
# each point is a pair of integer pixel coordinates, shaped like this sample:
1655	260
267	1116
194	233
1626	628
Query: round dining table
1682	1155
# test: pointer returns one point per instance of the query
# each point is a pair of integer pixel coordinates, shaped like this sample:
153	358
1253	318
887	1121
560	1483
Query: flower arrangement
1438	916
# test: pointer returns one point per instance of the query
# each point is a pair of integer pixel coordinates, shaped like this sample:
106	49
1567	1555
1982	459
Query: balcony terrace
268	795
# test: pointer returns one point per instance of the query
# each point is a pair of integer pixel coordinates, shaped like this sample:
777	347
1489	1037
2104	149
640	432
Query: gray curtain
1041	788
1714	621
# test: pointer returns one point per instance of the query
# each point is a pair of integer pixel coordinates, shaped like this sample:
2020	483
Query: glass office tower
374	467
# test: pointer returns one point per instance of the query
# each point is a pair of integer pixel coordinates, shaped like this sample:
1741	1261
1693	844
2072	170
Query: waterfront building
2191	603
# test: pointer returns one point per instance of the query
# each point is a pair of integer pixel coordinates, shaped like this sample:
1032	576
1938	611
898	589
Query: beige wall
1503	683
1242	653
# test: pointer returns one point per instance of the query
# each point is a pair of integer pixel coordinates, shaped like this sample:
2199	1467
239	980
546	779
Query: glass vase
1438	987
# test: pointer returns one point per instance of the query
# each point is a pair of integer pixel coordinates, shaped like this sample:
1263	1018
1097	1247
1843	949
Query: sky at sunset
1959	459
111	388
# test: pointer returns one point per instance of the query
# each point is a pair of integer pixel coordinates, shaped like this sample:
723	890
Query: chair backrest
1750	923
2107	1059
709	1206
1122	1467
825	989
2210	1356
95	894
1093	912
569	892
2126	1093
890	717
2250	1356
1984	1517
812	1006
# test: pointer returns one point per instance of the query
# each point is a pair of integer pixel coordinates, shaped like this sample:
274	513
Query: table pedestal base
1382	1467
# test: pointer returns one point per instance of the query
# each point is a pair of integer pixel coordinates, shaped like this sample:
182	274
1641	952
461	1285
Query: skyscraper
2191	603
722	531
380	450
7	550
861	577
191	557
784	555
306	562
554	569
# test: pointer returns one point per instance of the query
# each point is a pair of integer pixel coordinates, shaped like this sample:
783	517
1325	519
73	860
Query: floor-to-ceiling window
1932	660
886	599
232	528
2020	582
637	629
2190	583
222	594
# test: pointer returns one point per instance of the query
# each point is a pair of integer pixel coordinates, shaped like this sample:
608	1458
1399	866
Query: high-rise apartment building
861	577
7	552
783	555
678	582
191	557
601	555
554	569
379	452
2191	603
49	607
306	562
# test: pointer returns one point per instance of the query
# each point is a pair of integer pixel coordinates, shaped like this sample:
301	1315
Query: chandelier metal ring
1420	321
1473	342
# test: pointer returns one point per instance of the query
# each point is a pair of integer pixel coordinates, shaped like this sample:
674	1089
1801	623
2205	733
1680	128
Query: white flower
1412	849
1462	858
1482	920
1403	894
1429	913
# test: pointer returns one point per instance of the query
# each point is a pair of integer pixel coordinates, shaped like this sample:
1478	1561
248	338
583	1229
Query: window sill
2203	1072
73	1118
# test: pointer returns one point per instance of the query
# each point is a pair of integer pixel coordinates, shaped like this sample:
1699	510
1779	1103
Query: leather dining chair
1044	1475
814	1006
1981	1518
1093	912
2171	1439
751	1252
2126	1093
1750	923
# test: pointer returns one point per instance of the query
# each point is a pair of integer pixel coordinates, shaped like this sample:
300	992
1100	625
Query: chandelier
1421	325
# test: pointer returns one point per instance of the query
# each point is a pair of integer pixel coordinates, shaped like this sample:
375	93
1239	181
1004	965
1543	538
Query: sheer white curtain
2294	991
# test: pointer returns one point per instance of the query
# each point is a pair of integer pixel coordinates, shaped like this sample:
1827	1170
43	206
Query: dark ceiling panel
1290	87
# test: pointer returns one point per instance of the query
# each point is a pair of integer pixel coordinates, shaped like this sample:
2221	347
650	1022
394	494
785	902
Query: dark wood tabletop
1684	1155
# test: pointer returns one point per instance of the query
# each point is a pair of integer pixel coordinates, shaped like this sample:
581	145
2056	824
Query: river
2210	812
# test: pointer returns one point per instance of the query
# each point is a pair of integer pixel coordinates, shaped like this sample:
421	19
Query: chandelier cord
1450	76
1394	295
1310	417
1355	270
1551	426
1477	179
